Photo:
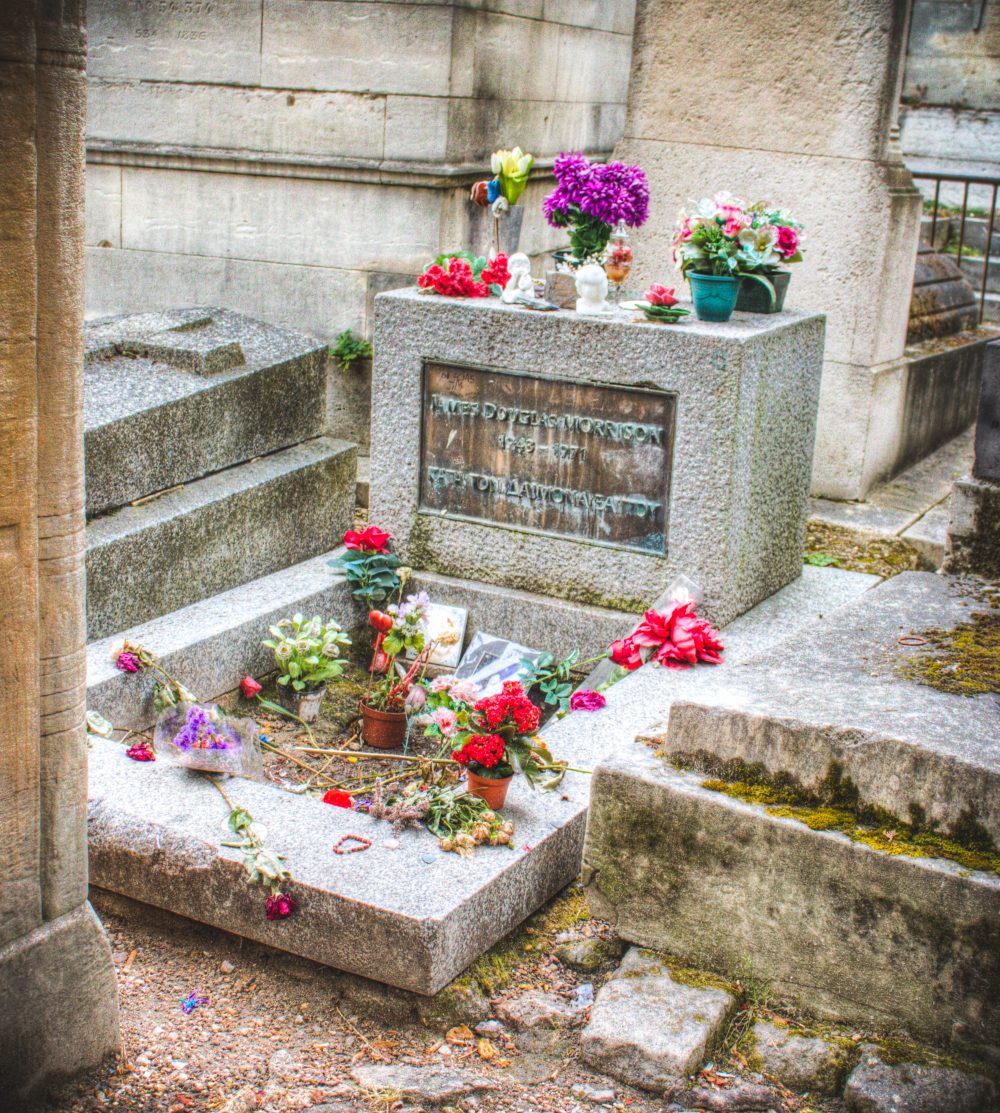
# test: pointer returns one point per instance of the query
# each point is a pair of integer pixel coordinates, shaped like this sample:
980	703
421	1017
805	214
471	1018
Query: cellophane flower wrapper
202	736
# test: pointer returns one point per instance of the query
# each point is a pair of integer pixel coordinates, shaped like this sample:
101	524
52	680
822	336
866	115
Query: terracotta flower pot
305	704
385	730
491	789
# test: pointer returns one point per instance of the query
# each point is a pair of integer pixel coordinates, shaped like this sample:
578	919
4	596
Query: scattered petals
586	700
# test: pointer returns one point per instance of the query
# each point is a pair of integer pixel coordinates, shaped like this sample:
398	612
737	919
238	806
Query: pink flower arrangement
726	236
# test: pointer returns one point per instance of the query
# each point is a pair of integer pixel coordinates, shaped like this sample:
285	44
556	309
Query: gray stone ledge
823	920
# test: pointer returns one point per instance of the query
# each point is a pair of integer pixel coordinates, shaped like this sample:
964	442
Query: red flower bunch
513	703
660	295
280	906
495	272
677	638
370	540
140	752
484	749
455	282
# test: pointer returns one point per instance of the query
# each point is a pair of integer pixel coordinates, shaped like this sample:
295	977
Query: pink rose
586	700
787	242
127	662
732	227
140	752
280	906
446	720
661	295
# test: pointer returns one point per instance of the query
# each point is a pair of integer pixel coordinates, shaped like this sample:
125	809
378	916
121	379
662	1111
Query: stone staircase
207	463
696	846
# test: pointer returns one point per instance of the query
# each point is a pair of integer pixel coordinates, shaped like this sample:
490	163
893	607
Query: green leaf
765	282
820	559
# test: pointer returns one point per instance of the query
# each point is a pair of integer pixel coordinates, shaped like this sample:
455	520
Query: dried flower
141	751
280	906
127	662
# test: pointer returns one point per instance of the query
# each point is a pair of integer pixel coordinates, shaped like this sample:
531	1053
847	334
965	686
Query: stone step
835	703
212	644
171	397
217	532
839	929
972	267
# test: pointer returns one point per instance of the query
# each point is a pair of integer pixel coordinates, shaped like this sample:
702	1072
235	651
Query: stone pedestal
696	129
594	459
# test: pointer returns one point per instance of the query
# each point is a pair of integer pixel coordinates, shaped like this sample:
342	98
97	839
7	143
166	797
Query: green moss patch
843	547
964	661
898	839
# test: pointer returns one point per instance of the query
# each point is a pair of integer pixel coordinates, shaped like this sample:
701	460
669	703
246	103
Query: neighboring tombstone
974	532
828	153
594	459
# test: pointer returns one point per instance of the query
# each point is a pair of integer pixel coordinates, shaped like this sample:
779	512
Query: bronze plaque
549	455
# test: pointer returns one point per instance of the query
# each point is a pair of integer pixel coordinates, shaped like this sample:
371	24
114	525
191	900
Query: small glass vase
618	259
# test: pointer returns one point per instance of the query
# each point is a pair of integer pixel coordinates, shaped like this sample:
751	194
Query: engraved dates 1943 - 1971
558	456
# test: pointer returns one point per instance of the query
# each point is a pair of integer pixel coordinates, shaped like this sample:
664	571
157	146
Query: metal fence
964	219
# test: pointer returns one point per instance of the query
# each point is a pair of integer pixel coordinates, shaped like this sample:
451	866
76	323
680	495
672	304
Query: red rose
370	540
140	752
381	621
249	687
660	295
626	653
280	906
787	242
338	798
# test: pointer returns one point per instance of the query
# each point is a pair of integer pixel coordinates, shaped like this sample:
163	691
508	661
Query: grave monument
594	459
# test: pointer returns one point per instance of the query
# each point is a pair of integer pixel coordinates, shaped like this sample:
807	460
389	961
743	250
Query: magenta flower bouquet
591	198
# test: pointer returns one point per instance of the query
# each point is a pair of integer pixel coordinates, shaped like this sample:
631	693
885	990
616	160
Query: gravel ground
281	1034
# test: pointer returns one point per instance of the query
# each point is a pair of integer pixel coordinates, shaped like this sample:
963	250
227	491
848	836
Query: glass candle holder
618	259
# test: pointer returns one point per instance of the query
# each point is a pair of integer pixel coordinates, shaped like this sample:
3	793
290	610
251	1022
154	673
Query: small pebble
227	967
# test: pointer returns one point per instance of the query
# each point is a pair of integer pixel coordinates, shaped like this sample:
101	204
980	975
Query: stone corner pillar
797	106
59	1011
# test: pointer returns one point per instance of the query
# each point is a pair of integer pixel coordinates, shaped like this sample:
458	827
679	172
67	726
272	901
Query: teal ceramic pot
714	295
753	296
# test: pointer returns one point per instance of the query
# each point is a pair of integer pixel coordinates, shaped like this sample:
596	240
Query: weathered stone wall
806	122
951	88
292	158
57	981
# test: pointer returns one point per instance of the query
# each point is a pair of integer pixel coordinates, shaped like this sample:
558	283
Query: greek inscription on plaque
555	456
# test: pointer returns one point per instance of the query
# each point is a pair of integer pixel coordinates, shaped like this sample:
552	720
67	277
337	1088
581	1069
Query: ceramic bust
592	286
519	286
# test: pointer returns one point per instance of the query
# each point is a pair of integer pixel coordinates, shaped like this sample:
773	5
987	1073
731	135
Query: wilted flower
280	906
416	698
127	662
141	751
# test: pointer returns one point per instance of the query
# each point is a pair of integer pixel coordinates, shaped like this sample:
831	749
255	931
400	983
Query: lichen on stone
964	661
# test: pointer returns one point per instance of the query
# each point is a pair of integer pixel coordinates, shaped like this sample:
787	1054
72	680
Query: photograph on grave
556	456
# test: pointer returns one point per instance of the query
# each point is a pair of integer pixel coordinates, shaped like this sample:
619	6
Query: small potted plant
307	654
399	630
726	245
590	201
500	741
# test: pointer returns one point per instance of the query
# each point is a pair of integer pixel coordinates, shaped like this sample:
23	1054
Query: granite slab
836	700
412	917
170	397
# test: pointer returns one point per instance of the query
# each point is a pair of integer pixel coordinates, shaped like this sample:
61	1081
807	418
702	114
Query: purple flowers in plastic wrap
608	192
203	736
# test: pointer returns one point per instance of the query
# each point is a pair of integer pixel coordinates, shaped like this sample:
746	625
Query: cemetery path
283	1035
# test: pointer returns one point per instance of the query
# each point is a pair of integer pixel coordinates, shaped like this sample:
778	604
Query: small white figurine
520	286
592	286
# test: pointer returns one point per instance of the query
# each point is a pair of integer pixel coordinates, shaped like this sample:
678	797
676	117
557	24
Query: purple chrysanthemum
572	170
617	192
556	206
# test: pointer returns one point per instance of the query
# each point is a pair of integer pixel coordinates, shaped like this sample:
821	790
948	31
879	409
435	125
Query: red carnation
370	540
249	687
495	272
626	653
338	798
280	906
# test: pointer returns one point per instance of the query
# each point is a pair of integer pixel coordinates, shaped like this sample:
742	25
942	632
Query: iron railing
990	183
